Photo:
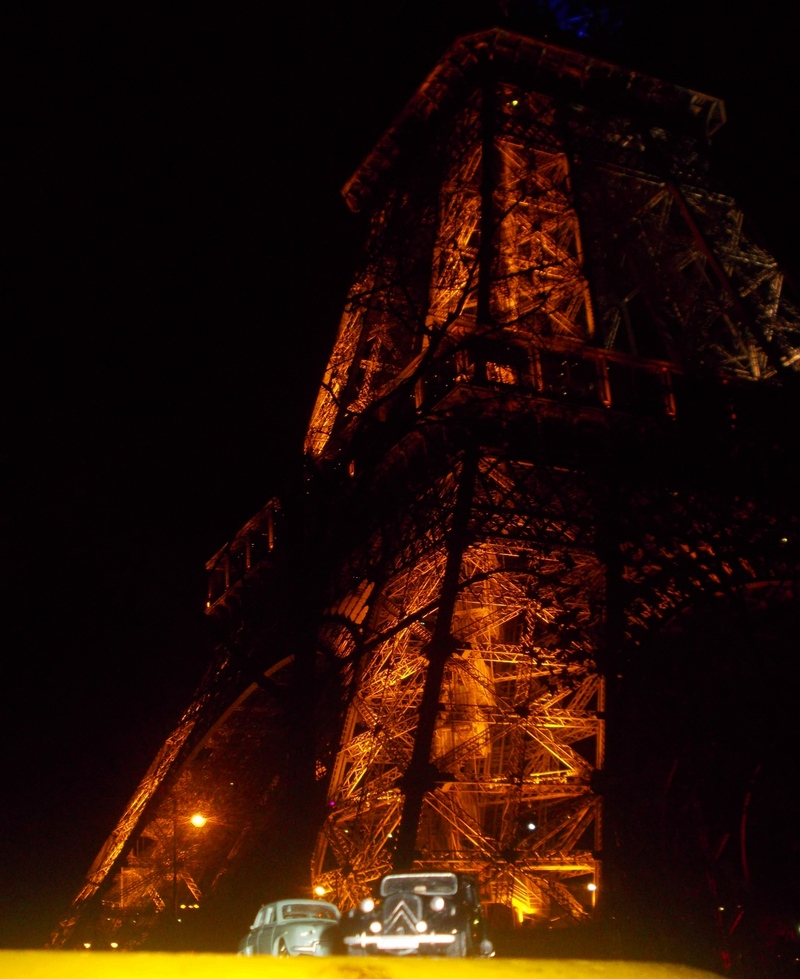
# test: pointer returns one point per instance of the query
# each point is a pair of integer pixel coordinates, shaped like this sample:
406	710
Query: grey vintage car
293	927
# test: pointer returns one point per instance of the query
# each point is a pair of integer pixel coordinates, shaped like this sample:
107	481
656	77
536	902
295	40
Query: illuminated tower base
544	441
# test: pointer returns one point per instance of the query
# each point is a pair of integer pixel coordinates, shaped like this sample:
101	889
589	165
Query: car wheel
283	951
458	949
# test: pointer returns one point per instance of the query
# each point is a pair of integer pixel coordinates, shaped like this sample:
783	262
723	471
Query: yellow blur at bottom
147	965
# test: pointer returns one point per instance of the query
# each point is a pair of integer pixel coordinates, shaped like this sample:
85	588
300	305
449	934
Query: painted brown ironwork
536	304
541	437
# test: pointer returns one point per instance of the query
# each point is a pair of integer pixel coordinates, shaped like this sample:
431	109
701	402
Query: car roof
431	873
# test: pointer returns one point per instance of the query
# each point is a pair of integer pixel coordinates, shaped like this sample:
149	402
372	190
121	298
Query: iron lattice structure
544	433
546	268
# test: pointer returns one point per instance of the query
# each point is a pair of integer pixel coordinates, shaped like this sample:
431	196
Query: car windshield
309	910
419	884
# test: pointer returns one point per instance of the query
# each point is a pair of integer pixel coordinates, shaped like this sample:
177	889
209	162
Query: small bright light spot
437	903
198	820
115	945
374	927
367	905
530	825
87	944
319	890
591	887
183	907
720	908
422	926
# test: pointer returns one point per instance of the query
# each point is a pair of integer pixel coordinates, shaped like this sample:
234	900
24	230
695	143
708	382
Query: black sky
177	260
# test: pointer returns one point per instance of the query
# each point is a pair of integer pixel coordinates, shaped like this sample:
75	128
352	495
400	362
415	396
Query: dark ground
176	262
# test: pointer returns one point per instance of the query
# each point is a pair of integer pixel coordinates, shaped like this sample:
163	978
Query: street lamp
198	820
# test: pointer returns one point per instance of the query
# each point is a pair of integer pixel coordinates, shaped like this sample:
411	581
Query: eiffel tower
545	436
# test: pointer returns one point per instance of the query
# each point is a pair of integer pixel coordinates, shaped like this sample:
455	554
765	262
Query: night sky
177	259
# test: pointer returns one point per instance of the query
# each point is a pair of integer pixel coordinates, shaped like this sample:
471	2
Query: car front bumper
398	943
312	948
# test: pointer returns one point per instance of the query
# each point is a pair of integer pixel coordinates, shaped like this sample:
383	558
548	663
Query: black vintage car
426	913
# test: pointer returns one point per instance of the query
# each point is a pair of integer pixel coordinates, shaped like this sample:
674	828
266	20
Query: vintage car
425	913
293	927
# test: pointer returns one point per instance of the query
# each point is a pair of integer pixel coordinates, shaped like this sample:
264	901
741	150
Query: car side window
269	916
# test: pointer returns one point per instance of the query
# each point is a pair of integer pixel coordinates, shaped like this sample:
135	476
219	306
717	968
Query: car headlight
367	905
422	926
437	903
375	927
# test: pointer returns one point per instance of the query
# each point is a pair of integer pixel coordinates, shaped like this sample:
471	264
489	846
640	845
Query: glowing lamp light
87	944
591	887
319	890
422	926
375	927
367	905
198	820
